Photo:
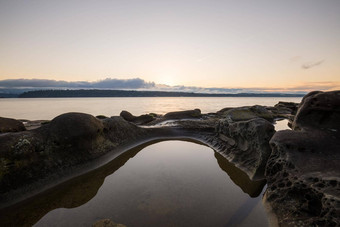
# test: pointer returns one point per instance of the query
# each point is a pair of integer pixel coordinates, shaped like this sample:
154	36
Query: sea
48	108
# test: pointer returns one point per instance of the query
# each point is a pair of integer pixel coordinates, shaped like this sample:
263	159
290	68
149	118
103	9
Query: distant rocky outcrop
303	170
11	125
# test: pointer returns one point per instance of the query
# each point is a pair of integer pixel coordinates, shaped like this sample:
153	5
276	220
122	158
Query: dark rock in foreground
11	125
303	170
71	139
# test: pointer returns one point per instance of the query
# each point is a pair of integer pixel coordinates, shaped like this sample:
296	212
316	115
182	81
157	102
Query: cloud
107	83
312	64
20	85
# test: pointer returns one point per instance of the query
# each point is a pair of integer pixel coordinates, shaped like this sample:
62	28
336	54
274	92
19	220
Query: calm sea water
169	183
48	108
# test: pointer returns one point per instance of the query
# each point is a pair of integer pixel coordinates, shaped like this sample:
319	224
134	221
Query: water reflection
281	124
240	178
82	189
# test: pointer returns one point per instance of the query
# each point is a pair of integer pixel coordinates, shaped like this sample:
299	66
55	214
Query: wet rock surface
302	172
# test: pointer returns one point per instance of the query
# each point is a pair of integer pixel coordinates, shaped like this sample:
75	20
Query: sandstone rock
247	144
247	113
142	119
106	223
68	140
11	125
127	115
304	179
319	110
302	172
78	131
101	117
196	113
68	126
287	107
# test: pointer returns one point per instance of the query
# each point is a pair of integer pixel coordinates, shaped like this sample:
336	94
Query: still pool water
169	183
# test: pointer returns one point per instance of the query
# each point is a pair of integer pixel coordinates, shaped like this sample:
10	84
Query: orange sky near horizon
271	46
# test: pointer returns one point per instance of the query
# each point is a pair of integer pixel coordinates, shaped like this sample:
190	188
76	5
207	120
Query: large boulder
248	113
186	114
302	172
11	125
76	129
286	107
319	110
139	120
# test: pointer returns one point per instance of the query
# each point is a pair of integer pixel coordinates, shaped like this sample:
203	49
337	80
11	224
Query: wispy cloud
107	83
309	65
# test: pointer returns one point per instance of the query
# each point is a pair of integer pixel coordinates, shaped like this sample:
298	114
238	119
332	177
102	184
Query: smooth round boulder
11	125
319	110
127	115
139	120
75	127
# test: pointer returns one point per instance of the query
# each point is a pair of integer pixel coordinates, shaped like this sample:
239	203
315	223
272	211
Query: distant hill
124	93
7	95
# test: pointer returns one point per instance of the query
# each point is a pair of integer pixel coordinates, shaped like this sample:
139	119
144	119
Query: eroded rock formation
69	140
303	170
301	166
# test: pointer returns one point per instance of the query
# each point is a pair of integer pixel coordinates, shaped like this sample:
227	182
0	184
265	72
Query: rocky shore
301	166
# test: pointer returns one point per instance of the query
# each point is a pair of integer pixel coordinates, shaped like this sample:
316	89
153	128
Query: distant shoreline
131	93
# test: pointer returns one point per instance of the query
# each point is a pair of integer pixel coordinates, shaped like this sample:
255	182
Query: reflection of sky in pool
171	183
281	125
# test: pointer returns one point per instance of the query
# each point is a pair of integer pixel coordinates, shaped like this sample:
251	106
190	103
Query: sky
291	45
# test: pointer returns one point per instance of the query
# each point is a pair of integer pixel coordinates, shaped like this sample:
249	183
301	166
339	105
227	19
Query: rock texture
106	223
142	119
11	125
319	110
187	114
248	113
246	143
68	140
303	170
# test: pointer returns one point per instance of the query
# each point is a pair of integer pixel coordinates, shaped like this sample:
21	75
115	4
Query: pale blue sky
231	44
